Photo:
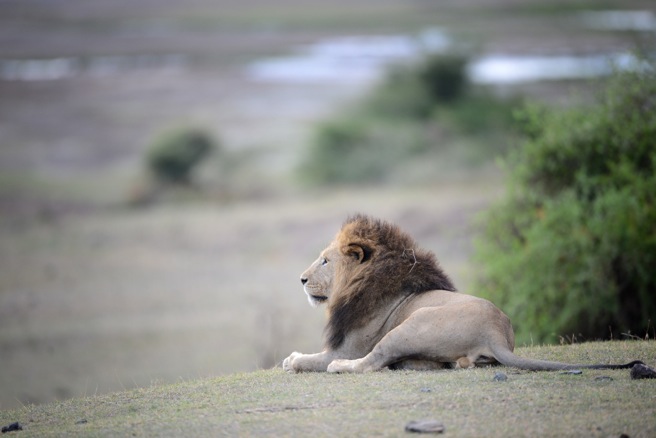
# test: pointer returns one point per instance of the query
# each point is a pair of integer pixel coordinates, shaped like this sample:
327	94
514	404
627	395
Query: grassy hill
96	297
468	402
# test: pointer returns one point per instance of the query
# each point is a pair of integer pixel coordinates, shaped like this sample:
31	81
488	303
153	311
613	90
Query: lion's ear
358	251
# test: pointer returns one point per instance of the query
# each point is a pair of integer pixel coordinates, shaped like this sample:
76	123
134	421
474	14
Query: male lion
391	305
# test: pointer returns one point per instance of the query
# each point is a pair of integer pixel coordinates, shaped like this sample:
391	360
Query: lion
390	305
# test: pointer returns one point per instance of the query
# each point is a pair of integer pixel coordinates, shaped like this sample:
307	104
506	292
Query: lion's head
369	263
318	278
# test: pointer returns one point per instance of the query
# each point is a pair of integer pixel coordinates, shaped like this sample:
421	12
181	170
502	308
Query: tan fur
390	305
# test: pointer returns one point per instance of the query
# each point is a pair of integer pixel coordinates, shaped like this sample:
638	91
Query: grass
468	402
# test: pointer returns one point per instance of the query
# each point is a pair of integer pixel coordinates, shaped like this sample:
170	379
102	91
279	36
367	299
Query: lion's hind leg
426	335
464	362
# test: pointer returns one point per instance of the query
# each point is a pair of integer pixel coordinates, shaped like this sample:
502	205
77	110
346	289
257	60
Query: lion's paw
345	366
288	363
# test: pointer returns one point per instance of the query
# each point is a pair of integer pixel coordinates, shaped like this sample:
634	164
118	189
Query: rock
425	390
642	371
607	378
574	372
13	427
499	377
425	426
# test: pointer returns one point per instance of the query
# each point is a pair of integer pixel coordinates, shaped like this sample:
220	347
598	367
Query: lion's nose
304	280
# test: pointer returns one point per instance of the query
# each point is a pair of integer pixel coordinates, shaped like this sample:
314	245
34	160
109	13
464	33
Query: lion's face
318	278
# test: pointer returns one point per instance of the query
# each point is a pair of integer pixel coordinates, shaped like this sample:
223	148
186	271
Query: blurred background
168	169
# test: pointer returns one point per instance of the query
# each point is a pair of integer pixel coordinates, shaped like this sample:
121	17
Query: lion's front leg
287	363
299	362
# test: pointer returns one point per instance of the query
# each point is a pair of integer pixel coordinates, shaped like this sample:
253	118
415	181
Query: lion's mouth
318	298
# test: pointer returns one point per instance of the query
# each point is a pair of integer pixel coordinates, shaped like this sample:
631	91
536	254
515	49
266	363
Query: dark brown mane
391	265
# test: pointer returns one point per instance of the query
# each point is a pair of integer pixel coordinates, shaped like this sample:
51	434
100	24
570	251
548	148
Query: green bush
415	91
444	77
359	149
415	115
571	251
400	96
173	155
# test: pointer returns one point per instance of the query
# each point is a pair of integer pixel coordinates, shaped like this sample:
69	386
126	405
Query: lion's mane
392	267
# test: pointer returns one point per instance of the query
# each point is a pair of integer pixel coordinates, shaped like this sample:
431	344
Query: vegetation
175	154
423	113
467	402
571	251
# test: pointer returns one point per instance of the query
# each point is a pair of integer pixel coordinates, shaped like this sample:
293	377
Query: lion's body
390	305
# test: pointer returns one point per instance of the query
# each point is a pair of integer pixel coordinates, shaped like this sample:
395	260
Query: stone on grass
499	377
642	371
13	427
425	426
606	378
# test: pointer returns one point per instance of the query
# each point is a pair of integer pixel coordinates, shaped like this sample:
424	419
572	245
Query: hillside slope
468	402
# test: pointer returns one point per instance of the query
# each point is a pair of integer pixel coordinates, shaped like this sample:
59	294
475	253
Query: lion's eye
324	261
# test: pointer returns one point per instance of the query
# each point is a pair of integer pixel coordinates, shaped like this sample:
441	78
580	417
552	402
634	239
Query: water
342	60
348	59
502	69
489	69
364	59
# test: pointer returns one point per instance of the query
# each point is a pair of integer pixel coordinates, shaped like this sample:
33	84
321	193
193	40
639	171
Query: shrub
400	96
359	149
572	248
173	156
444	77
415	91
417	113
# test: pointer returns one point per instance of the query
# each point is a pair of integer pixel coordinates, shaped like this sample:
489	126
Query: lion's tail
506	357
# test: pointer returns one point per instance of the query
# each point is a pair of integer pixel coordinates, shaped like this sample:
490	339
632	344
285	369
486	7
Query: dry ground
97	297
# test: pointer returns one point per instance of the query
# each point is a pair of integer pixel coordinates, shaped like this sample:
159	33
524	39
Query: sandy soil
96	297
